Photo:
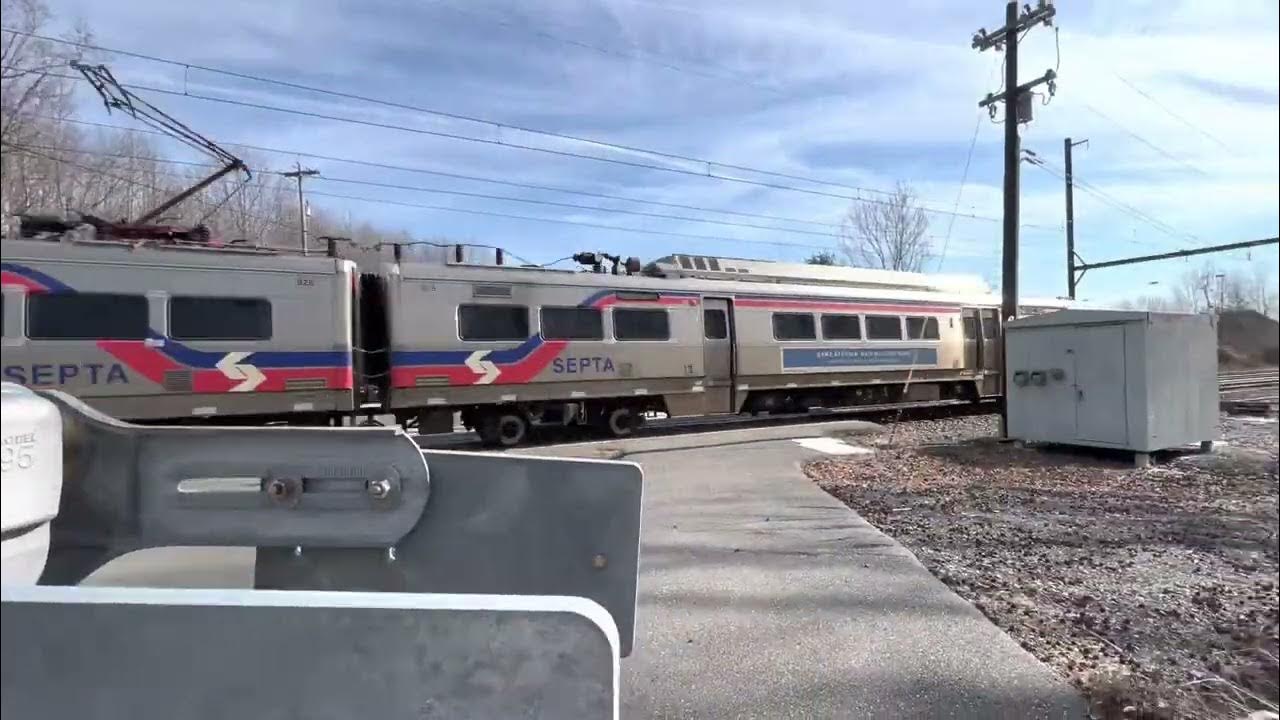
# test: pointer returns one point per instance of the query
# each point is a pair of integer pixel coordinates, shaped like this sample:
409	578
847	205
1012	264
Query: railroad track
1247	379
1250	392
675	426
1244	386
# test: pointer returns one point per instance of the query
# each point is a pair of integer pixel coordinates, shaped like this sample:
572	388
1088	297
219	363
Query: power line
1107	200
463	193
709	164
598	226
1159	150
964	178
469	211
573	206
534	148
444	114
1123	207
445	208
1171	113
502	198
472	178
136	183
1116	202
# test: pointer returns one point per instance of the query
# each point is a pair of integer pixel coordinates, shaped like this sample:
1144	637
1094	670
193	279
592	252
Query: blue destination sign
808	358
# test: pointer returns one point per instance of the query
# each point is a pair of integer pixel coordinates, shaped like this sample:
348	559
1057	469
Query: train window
921	328
641	324
970	327
219	318
637	295
884	327
794	326
86	316
572	323
841	327
714	325
990	324
493	322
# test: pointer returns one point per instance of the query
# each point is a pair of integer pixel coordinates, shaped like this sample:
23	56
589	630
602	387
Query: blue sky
863	94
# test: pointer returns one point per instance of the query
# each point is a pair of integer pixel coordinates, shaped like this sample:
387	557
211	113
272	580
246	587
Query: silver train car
152	334
236	335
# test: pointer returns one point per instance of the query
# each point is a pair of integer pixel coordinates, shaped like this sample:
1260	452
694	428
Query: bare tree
1153	303
1197	289
888	234
48	165
1265	289
32	98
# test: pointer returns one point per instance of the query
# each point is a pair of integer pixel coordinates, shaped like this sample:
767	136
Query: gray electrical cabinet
1131	380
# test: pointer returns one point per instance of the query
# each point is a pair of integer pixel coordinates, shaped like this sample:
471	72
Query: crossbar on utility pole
298	174
1085	267
1007	37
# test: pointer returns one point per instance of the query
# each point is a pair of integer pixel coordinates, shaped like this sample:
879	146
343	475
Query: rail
1248	379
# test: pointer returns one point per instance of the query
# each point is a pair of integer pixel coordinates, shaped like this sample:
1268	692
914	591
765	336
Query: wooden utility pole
298	174
1017	108
1071	215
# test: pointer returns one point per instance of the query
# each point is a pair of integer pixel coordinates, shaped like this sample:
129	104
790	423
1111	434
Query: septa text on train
62	374
586	363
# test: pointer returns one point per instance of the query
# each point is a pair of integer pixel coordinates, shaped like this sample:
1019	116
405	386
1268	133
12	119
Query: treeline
53	164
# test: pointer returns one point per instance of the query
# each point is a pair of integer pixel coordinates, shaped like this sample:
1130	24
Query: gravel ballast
1153	590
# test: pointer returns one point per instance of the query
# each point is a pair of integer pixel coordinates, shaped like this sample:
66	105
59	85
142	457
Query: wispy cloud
864	94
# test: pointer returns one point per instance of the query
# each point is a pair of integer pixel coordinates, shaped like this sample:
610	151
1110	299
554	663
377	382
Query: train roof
499	274
186	255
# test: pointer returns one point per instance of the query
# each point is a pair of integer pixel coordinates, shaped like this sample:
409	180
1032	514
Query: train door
992	358
717	354
972	340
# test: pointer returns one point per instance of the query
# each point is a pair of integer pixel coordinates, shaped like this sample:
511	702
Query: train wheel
503	428
621	422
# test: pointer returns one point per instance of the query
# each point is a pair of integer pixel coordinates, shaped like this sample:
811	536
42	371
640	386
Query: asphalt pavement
763	597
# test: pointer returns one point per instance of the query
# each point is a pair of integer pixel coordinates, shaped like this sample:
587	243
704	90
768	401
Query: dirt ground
1152	590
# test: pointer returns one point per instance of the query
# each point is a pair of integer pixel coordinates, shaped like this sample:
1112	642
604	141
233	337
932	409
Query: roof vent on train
741	269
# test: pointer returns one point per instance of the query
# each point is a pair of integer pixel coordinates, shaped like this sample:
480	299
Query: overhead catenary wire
1155	148
1116	204
462	193
469	211
1210	136
492	197
469	178
20	148
441	113
708	164
498	142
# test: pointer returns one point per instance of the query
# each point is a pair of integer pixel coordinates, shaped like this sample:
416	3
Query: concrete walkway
762	596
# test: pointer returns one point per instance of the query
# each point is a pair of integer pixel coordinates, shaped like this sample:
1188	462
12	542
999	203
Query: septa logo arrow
478	365
249	376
